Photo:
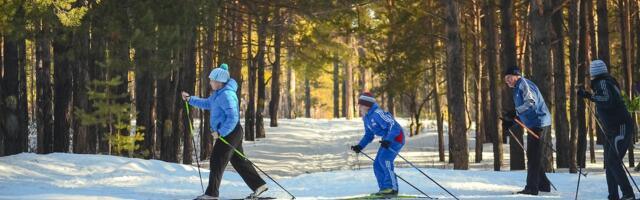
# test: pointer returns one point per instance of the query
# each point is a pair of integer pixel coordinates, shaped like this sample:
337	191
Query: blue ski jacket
530	105
223	108
380	123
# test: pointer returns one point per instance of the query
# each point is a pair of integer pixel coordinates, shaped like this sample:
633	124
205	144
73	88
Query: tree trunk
491	53
291	74
262	92
336	88
541	12
347	84
236	65
63	81
307	97
21	142
166	111
80	79
480	94
188	84
44	114
625	34
3	131
603	32
455	86
439	114
206	139
291	90
560	107
249	120
96	140
13	131
274	103
15	115
584	60
574	29
509	59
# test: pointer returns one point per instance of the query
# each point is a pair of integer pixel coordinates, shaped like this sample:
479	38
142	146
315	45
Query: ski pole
245	157
578	186
525	153
414	187
425	174
518	141
610	145
186	106
534	134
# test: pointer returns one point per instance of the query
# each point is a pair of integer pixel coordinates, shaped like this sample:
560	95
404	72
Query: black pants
536	149
614	150
222	154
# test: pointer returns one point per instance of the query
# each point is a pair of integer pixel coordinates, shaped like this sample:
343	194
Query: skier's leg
621	143
543	181
241	165
378	170
219	158
609	159
386	161
533	164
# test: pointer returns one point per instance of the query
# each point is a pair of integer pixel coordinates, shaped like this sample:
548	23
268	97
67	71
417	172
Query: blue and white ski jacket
530	105
223	107
380	123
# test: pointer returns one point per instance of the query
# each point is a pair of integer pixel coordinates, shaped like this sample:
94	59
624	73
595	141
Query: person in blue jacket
381	123
531	109
618	126
222	105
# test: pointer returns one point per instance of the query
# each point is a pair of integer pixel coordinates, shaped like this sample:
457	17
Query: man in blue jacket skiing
533	112
225	117
381	123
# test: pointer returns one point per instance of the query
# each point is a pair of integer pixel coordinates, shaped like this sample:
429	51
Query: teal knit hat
220	74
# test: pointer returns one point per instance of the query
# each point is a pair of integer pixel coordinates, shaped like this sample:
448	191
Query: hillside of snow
308	157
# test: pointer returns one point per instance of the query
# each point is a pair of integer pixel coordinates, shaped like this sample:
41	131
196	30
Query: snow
309	157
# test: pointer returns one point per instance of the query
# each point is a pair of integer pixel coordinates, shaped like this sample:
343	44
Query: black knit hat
513	70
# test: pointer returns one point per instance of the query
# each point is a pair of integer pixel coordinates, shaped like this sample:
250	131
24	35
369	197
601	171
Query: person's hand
356	148
584	94
185	96
507	120
385	144
506	125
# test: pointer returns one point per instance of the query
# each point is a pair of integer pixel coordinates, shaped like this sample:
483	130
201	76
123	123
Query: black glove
506	124
356	148
507	120
584	94
385	144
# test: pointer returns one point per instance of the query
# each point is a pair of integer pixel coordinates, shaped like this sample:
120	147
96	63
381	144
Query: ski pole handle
526	128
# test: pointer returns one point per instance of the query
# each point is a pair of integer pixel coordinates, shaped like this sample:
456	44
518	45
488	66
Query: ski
259	198
403	197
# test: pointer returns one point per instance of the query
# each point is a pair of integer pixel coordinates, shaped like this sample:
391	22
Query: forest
105	76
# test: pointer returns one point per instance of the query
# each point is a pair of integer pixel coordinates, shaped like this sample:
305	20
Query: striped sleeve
386	123
528	101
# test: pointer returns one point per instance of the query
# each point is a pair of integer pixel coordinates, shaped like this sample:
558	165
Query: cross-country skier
223	107
533	112
381	123
617	125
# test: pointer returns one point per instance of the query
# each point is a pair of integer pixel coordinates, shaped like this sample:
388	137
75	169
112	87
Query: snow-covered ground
311	158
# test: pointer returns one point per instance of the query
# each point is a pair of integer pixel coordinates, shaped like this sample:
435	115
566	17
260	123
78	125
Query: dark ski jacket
610	107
